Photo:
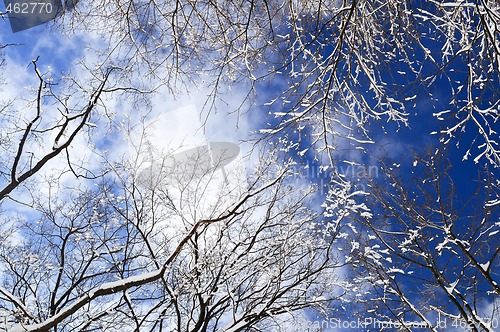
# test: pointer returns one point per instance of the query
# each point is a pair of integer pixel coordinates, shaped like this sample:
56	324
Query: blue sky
432	107
392	140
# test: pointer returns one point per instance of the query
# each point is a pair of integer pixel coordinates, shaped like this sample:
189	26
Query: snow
452	286
57	145
395	270
485	266
81	301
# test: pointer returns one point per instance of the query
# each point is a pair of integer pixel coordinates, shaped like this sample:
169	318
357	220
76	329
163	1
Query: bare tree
428	251
25	148
329	72
338	66
168	254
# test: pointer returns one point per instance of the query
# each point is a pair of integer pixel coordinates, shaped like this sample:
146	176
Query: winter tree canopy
250	165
